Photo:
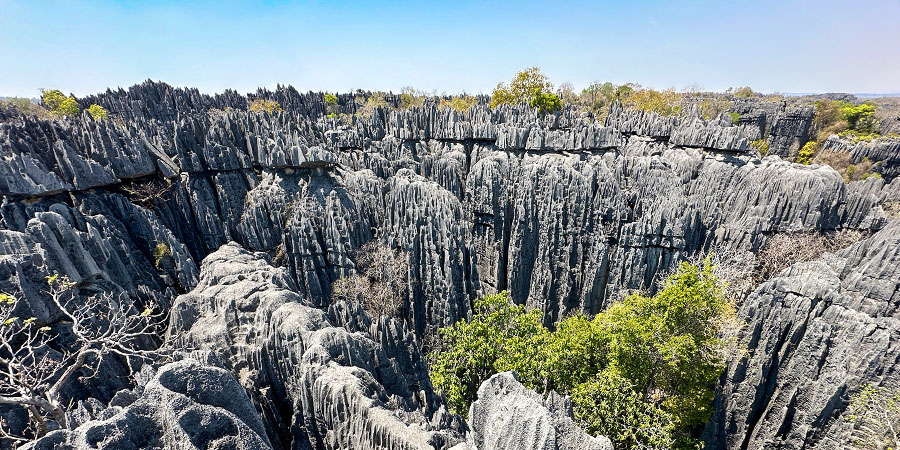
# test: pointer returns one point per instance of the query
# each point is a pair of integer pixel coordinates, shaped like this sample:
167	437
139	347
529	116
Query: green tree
859	117
528	86
501	336
59	104
97	112
640	373
331	99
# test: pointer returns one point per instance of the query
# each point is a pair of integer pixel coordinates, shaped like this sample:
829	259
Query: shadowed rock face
565	212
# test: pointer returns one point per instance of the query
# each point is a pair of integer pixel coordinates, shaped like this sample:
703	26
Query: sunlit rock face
564	211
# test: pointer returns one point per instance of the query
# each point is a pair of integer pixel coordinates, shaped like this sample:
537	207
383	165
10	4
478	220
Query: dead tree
381	283
33	373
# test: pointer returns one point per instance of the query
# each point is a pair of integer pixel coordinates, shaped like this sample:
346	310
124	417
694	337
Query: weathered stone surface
884	152
815	334
186	405
509	416
363	385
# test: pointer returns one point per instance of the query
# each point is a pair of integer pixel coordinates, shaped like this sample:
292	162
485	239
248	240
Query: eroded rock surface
510	416
816	333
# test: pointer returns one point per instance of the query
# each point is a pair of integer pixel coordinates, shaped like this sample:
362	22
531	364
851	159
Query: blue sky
783	46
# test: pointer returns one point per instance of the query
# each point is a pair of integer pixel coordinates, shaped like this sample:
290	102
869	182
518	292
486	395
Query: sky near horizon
773	46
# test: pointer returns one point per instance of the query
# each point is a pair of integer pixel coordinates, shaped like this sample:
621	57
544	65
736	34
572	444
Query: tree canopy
640	373
528	86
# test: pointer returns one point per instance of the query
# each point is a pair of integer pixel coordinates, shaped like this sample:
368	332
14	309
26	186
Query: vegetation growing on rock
647	361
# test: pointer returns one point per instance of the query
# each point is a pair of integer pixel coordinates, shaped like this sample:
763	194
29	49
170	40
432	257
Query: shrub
460	104
859	117
805	155
664	103
546	102
266	106
874	413
375	100
27	106
651	360
69	107
60	105
97	112
710	108
160	252
784	249
52	98
735	117
410	97
331	99
761	146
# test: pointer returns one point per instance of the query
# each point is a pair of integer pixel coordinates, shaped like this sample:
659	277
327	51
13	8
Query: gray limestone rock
186	405
508	416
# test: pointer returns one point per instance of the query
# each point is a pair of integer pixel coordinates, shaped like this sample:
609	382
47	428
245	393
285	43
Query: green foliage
266	106
501	336
331	99
858	136
159	252
528	86
52	98
546	102
859	117
410	97
597	96
97	112
626	418
640	372
60	105
69	107
735	117
805	155
761	146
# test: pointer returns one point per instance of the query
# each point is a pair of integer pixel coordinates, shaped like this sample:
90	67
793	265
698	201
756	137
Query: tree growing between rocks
641	373
34	367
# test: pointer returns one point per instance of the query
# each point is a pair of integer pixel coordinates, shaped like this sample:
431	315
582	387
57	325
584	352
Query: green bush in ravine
640	373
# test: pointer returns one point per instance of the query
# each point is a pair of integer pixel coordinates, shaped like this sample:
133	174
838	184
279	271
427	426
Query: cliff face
565	212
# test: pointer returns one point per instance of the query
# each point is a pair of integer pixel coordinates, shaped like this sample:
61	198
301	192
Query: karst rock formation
259	213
